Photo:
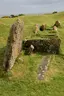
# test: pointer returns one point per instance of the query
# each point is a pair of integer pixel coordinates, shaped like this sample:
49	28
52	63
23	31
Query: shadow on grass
2	50
3	74
39	53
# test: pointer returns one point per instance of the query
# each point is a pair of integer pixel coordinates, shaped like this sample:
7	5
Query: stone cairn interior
51	45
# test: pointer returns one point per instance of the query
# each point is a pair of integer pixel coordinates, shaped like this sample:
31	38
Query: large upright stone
14	44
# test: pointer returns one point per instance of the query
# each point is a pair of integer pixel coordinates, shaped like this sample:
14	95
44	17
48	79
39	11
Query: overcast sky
30	6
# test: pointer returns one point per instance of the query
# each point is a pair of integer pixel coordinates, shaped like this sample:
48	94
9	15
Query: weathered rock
31	48
43	67
36	28
57	24
43	27
51	45
14	44
55	28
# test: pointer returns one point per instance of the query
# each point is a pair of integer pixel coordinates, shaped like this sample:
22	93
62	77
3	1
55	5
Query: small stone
57	24
45	67
36	28
43	27
43	71
31	48
55	28
21	60
39	74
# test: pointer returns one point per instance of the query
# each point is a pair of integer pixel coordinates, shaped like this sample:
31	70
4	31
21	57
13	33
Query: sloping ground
22	79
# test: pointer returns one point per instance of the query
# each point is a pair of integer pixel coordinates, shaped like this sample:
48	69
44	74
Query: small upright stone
55	28
43	27
31	48
36	28
14	44
57	24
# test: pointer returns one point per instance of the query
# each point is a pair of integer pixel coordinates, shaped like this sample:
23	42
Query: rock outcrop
14	44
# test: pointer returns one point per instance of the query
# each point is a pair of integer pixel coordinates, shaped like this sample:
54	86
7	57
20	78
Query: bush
13	16
55	12
5	17
21	15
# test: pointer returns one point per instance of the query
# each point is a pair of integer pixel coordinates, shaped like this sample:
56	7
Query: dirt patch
17	74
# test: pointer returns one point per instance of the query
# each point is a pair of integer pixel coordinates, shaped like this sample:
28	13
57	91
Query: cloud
31	2
30	6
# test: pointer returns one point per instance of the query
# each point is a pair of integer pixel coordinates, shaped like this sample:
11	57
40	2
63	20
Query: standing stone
57	24
55	28
36	28
43	27
14	44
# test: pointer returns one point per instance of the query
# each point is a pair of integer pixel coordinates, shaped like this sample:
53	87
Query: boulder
43	27
14	44
36	28
57	24
54	28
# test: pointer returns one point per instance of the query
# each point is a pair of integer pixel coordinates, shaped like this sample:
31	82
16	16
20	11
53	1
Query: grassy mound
22	79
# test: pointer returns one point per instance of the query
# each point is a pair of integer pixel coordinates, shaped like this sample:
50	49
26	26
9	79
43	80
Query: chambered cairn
14	44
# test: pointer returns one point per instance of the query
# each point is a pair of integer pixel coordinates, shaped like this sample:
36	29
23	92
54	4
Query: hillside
22	80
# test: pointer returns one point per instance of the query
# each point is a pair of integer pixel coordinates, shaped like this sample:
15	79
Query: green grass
22	80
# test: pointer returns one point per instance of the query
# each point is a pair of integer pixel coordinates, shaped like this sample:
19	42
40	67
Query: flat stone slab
43	67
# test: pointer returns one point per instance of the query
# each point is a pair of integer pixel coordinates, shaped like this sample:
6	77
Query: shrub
13	16
5	17
55	12
21	15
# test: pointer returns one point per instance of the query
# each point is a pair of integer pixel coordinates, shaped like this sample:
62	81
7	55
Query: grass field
22	79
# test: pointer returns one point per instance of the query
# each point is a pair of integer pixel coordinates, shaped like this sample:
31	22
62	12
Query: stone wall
46	45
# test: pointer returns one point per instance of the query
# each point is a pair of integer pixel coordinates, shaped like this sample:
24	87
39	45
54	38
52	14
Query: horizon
8	7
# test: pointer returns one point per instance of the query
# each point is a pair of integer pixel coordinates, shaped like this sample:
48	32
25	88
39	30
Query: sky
30	6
